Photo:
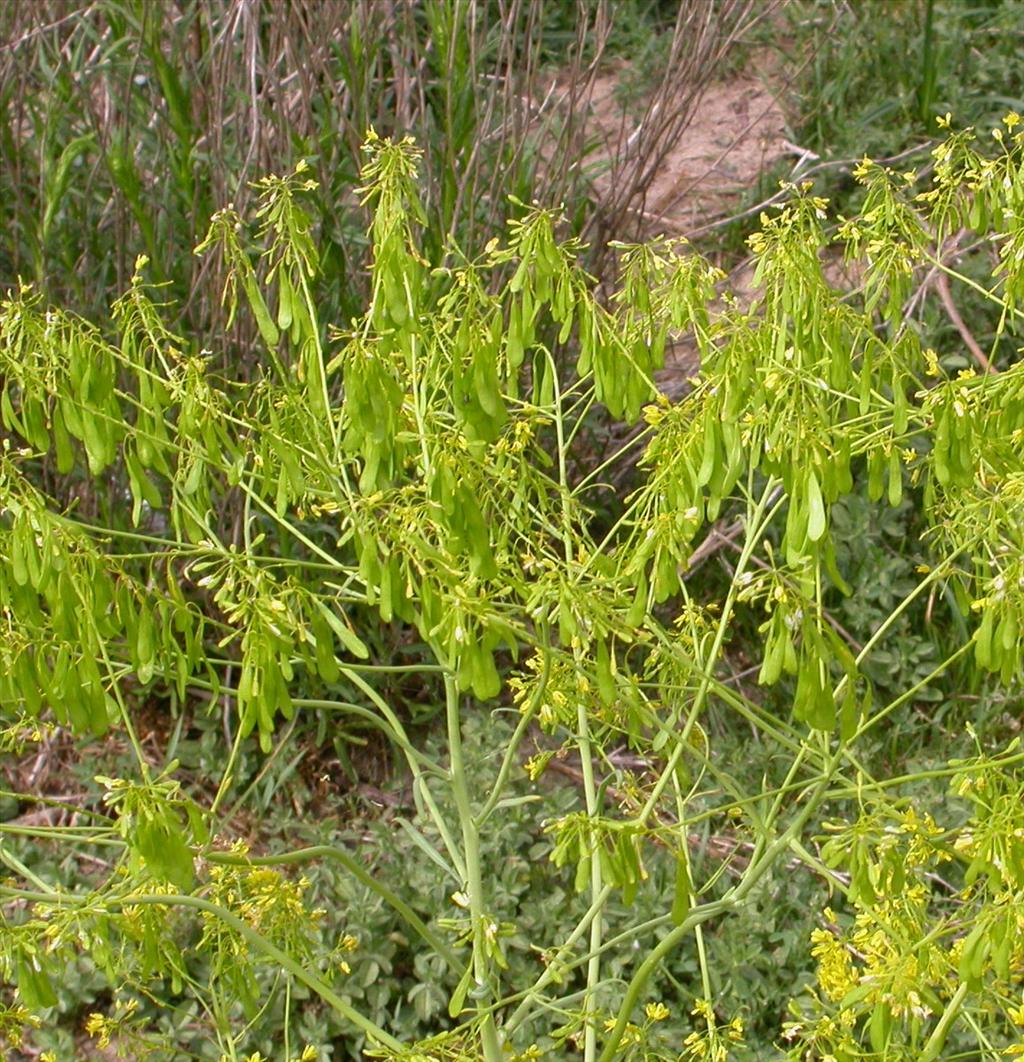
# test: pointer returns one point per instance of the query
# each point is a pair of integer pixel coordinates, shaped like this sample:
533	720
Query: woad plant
175	537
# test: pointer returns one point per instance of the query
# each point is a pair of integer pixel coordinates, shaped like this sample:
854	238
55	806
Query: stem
596	886
758	520
243	929
938	1037
754	873
583	744
474	879
554	964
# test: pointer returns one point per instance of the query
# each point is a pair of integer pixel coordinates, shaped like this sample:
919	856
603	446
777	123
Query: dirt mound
736	131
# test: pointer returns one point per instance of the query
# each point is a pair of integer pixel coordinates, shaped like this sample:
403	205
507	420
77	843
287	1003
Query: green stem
474	879
755	871
596	885
759	518
359	872
311	980
555	964
937	1039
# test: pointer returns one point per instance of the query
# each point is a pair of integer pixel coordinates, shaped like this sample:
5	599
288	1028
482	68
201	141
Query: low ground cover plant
421	477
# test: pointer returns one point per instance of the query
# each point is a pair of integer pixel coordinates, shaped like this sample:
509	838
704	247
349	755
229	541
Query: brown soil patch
737	130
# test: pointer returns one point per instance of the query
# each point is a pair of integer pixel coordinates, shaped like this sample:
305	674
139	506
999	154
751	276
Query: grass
125	126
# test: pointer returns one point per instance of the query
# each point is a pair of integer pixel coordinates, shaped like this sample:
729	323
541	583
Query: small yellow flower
98	1027
702	1009
656	1011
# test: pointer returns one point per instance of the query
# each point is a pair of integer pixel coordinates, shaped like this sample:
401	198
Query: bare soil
737	131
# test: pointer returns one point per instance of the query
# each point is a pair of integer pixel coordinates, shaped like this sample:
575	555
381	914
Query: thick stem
490	1039
757	869
596	886
757	523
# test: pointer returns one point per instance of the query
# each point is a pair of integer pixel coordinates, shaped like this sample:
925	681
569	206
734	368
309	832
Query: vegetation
392	670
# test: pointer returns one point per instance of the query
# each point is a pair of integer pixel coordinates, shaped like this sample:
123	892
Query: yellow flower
656	1011
835	969
97	1026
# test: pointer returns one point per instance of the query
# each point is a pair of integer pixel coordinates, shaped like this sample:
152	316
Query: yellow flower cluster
713	1043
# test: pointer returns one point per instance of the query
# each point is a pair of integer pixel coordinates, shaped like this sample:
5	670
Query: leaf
486	680
983	640
895	477
774	653
427	849
878	1027
682	898
458	1000
268	330
62	443
973	955
284	300
605	679
145	646
816	522
710	453
34	985
348	638
161	843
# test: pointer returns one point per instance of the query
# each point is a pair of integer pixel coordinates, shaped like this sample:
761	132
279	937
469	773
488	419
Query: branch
942	287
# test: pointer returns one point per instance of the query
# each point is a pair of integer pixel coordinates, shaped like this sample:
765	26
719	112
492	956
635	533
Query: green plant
878	74
413	471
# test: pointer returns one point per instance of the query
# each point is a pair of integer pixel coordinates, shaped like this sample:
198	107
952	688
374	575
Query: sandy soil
737	131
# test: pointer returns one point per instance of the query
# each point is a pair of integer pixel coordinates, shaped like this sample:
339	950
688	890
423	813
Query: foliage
880	82
170	534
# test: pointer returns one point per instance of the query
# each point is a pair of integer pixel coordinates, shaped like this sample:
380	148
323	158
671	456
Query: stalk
489	1036
583	744
596	887
733	899
757	523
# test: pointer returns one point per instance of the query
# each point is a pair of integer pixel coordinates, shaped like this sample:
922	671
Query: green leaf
683	895
34	984
458	1000
816	522
351	641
